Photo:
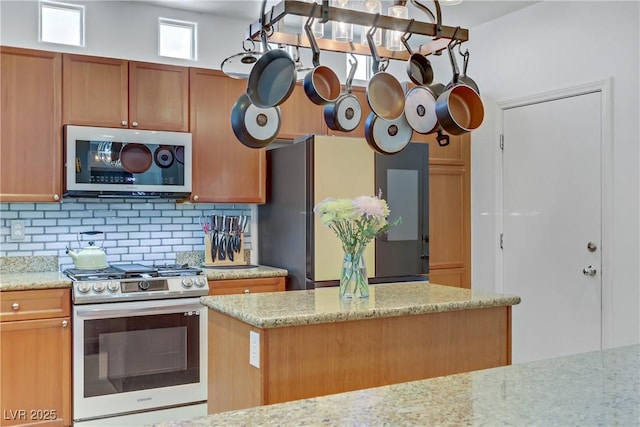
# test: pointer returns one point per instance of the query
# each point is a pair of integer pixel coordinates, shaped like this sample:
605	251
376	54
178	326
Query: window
177	39
363	72
61	23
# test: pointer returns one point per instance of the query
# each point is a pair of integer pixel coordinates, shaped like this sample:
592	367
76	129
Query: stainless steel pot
321	84
459	108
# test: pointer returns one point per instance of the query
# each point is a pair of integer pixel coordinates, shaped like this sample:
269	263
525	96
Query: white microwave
106	162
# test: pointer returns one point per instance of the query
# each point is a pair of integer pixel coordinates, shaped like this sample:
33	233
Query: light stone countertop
55	279
591	389
33	281
243	273
323	305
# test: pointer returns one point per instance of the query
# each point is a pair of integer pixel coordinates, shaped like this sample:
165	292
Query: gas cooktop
137	282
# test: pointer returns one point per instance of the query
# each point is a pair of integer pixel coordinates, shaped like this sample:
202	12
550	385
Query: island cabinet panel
35	351
109	92
224	170
246	286
30	119
302	361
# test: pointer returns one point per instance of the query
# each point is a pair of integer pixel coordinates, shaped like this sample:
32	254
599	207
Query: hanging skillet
418	66
345	113
253	126
387	136
273	77
321	84
385	94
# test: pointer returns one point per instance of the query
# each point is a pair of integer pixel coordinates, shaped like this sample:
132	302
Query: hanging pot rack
269	21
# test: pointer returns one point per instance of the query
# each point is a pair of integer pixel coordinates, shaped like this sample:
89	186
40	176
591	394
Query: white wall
128	29
547	46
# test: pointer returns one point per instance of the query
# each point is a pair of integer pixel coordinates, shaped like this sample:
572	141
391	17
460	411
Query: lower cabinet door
36	372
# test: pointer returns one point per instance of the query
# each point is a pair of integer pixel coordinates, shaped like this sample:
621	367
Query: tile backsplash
134	230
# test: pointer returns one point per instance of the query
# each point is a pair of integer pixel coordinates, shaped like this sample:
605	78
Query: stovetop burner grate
127	271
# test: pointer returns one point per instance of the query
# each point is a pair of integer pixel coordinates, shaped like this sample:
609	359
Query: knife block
238	257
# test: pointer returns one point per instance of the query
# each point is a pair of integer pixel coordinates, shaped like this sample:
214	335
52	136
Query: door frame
604	87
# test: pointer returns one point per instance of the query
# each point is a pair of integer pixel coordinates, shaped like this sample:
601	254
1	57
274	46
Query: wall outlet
17	229
254	349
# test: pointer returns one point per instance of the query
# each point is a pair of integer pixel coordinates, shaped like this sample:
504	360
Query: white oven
137	361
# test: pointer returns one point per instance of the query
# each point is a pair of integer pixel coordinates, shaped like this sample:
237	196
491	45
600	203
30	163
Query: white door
552	218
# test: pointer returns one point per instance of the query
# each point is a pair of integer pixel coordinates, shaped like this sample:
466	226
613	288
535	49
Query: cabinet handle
246	291
56	197
124	123
15	306
195	198
134	124
65	323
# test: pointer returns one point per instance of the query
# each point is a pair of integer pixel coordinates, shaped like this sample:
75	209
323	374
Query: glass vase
354	282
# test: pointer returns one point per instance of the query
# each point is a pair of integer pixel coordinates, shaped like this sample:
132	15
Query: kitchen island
277	347
589	389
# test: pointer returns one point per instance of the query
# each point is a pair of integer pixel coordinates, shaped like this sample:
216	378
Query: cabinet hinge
501	240
502	141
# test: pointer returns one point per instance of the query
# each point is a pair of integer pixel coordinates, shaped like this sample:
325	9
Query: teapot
90	257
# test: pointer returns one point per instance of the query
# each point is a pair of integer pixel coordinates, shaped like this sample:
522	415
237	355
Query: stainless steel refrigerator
303	172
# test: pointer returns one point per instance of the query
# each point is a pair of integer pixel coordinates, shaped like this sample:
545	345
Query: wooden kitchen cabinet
30	119
245	286
109	92
35	357
299	116
224	170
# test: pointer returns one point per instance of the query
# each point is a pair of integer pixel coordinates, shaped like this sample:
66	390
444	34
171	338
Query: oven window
140	353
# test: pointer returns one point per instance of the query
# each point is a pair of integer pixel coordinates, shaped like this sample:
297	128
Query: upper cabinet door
224	170
108	92
30	132
158	97
95	91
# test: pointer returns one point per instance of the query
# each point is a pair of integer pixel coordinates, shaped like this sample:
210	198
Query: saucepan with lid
345	113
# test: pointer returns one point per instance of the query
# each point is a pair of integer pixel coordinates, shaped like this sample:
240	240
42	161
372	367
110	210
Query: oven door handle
127	312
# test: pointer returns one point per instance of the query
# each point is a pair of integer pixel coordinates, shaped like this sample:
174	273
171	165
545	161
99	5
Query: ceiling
467	14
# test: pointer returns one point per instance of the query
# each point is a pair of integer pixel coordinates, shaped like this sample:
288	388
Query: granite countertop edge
281	320
596	388
55	280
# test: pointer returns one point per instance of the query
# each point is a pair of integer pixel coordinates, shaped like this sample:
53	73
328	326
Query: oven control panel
139	288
